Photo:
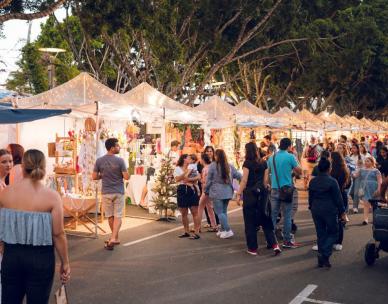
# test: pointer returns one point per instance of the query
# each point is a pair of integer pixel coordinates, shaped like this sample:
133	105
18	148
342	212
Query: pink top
205	172
16	174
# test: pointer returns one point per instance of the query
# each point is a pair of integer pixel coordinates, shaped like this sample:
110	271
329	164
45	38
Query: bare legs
367	206
205	202
185	219
115	225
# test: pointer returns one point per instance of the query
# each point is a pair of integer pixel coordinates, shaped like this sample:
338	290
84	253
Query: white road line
303	296
165	232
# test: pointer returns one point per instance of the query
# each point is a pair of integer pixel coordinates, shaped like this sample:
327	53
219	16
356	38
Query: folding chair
78	209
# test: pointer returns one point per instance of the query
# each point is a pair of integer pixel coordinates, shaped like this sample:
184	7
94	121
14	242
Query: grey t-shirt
111	169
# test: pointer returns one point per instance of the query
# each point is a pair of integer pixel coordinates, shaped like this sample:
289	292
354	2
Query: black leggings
27	271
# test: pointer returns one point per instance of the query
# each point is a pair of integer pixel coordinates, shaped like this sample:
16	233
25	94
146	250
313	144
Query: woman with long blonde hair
370	184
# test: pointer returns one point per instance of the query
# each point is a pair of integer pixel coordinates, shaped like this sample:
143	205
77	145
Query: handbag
286	193
61	295
361	190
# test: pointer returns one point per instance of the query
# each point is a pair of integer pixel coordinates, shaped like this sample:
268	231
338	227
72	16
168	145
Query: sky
16	32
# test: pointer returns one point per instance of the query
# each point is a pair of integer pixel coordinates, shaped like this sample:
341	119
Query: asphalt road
165	269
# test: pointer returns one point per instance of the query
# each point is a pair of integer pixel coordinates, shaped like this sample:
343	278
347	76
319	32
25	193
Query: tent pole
163	136
97	205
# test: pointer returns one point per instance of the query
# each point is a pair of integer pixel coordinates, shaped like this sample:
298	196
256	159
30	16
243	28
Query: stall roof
219	114
80	94
9	115
146	96
250	115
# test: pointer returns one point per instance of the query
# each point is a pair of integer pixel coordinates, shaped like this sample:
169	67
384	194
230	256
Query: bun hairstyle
34	164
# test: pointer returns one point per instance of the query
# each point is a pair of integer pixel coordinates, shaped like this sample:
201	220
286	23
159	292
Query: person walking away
112	170
325	203
28	264
382	162
254	187
219	188
16	173
370	185
341	174
187	196
204	201
281	166
5	169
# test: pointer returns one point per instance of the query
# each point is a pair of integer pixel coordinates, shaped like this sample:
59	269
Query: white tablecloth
135	187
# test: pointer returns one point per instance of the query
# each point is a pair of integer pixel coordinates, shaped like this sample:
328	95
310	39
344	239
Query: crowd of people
334	172
31	215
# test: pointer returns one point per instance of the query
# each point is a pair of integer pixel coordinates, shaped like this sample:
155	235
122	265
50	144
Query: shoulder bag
286	192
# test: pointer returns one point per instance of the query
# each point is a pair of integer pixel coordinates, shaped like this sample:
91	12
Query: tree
165	189
27	9
32	76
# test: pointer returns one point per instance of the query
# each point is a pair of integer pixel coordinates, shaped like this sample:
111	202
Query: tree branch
22	16
5	3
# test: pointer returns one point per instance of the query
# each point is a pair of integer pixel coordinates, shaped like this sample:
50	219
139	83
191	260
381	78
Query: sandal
114	243
184	235
109	246
212	230
195	237
206	226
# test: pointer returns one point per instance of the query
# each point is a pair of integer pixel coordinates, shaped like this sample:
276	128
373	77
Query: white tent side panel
37	134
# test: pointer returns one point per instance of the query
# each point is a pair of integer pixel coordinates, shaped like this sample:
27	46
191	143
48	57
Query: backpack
312	154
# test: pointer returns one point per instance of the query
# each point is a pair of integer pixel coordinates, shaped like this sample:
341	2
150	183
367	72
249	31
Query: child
193	171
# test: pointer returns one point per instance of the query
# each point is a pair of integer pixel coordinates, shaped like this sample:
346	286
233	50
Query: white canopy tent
250	114
219	114
158	105
81	95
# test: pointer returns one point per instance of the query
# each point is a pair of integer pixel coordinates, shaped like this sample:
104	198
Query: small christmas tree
165	189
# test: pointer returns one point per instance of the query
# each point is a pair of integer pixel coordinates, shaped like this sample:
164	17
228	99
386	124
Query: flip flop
114	243
184	235
109	246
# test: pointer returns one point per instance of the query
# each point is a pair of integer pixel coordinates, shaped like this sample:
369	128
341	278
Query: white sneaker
219	233
355	210
337	247
315	248
226	234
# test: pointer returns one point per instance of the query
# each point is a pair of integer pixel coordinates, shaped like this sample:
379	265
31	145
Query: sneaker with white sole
252	252
315	248
219	233
337	247
226	234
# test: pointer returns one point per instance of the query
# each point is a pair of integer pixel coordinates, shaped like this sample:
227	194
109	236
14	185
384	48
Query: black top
325	196
383	165
256	172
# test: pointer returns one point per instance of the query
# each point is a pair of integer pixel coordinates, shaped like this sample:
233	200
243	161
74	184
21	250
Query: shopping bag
61	295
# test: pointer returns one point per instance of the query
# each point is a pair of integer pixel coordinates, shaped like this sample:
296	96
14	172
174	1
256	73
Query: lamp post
51	66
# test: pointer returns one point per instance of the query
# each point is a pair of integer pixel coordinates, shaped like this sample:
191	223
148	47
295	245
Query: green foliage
32	76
